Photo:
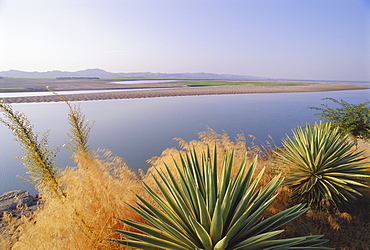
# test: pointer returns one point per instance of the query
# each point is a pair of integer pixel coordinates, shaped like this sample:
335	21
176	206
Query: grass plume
37	156
100	185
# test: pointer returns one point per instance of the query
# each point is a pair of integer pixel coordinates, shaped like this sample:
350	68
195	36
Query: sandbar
172	90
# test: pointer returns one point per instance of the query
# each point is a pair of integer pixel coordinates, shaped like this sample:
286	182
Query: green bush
349	118
201	207
323	166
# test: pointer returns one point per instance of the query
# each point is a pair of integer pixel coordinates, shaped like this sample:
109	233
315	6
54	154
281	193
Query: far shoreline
186	91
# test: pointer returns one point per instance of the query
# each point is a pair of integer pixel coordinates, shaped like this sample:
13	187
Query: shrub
324	169
349	118
208	209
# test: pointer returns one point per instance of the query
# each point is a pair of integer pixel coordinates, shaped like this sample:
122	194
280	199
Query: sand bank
186	91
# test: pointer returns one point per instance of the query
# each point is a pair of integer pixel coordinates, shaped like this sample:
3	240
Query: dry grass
208	139
346	231
100	186
98	190
12	229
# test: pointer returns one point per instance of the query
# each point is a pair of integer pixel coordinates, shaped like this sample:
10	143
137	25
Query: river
138	129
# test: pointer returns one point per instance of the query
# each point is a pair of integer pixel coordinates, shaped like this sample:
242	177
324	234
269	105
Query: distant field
175	88
232	83
267	83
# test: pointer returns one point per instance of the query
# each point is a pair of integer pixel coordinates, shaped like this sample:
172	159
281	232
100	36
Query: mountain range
105	74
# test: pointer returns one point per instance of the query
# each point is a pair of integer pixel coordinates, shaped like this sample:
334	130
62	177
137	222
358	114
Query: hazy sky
302	39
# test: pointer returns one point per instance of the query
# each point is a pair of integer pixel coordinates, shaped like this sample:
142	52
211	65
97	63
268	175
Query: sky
290	39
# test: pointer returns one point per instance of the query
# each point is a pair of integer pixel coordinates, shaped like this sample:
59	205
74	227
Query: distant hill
91	73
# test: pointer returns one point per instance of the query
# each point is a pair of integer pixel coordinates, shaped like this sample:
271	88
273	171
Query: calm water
138	129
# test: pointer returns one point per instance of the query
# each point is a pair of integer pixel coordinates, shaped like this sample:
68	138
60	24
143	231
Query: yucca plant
207	208
324	168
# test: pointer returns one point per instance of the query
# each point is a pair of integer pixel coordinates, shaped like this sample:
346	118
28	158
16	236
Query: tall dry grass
98	191
211	139
100	187
82	210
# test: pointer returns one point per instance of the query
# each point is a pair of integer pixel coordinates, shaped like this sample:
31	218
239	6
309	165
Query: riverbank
16	208
183	90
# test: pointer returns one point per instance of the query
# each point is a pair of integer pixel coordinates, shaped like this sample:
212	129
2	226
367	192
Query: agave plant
207	208
324	168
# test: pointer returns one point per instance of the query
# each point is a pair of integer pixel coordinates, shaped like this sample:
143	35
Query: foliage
207	209
82	219
37	156
79	127
95	187
349	118
346	231
322	166
81	215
